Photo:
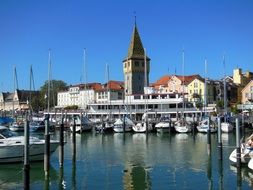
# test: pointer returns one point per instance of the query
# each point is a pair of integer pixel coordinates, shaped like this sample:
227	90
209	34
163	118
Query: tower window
142	64
136	63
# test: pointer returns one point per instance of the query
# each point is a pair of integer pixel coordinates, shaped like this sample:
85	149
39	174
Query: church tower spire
134	65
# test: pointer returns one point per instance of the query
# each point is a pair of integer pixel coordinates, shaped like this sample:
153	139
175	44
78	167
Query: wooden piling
124	123
208	138
47	147
26	156
243	128
61	150
219	140
238	144
74	138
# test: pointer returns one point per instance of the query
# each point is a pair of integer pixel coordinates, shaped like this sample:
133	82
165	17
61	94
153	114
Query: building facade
247	93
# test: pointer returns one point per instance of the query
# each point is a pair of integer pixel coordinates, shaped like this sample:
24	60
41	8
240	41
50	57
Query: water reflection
136	161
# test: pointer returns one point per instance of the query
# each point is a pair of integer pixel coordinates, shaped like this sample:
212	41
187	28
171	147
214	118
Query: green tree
55	87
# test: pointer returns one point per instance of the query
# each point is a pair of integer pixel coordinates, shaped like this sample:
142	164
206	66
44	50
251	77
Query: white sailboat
182	126
226	127
144	125
106	126
123	125
206	124
164	125
16	125
83	124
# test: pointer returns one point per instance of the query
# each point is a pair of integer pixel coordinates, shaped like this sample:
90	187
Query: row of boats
165	124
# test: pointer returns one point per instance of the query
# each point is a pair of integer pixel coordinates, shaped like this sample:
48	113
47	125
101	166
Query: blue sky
205	29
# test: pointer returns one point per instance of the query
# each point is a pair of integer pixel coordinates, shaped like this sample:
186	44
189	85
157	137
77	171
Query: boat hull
15	153
245	157
226	127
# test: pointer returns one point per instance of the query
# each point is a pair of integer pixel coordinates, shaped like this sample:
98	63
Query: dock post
61	150
147	123
74	138
243	128
47	147
81	123
238	146
208	137
124	123
26	156
219	140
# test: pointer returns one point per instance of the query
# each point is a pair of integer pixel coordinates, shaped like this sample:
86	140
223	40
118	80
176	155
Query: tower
134	66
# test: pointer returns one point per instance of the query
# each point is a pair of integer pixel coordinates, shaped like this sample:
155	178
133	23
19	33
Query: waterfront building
16	101
82	95
79	95
136	73
241	80
247	93
196	91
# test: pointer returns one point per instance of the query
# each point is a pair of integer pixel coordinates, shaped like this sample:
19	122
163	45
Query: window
136	63
251	89
195	85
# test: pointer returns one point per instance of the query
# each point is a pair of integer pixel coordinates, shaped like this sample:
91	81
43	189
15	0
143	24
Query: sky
204	29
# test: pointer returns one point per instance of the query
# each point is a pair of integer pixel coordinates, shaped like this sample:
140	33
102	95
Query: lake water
135	161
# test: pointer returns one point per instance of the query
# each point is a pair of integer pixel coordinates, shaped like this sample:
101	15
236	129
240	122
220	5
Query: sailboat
225	126
107	124
124	124
17	125
144	125
182	126
206	124
164	125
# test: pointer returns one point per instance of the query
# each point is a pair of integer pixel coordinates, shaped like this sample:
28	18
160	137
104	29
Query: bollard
47	147
61	150
238	145
74	138
26	156
219	140
208	138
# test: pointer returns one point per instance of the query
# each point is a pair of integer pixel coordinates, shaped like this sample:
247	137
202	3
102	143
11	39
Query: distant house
247	93
196	90
174	83
18	100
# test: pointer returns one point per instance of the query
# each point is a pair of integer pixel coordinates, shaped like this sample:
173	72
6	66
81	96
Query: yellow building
196	91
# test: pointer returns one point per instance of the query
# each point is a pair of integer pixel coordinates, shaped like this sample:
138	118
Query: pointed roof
136	49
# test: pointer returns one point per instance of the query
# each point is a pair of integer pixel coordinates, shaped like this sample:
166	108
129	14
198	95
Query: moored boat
123	125
12	147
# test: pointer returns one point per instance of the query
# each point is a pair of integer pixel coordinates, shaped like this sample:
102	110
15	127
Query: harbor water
135	161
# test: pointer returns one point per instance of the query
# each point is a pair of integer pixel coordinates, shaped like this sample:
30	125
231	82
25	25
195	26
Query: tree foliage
41	101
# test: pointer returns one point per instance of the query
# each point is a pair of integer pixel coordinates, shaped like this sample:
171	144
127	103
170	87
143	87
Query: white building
81	95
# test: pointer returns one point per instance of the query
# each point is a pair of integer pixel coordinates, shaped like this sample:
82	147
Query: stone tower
134	66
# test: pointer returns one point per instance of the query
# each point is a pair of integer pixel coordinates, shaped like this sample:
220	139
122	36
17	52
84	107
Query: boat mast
145	77
85	77
183	81
49	79
15	81
205	89
224	87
